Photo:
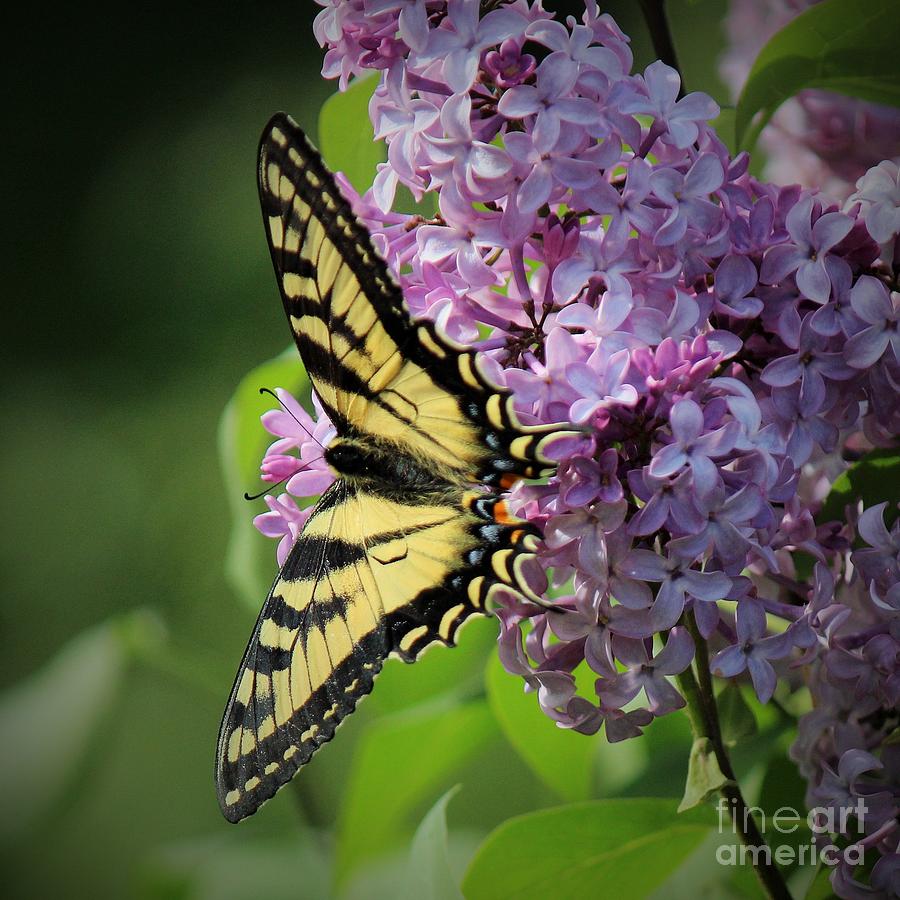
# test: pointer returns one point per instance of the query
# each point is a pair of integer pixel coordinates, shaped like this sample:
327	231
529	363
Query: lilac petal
719	442
570	277
735	277
763	677
536	188
519	102
883	222
870	301
598	652
460	69
577	315
745	308
549	33
644	564
865	348
546	129
824	320
414	26
812	392
631	594
856	762
872	529
697	106
844	665
798	221
613	310
677	654
577	110
555	688
667	608
744	504
621	726
686	420
782	372
731	545
779	262
813	281
583	410
650	517
707	585
667	184
663	697
575	173
583	379
309	482
706	474
750	621
778	645
498	25
663	82
729	662
668	461
829	230
705	176
707	618
557	75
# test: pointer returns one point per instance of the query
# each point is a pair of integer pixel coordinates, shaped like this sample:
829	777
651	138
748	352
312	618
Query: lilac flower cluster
817	138
846	746
716	338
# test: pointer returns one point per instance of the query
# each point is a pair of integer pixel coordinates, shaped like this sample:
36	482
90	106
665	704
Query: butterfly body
411	539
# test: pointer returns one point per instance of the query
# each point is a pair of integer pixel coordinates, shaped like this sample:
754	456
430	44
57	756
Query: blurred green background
138	294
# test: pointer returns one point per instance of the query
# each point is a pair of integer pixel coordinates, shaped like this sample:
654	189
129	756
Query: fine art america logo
821	822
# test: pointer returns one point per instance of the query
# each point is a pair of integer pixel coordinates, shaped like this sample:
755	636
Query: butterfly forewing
376	371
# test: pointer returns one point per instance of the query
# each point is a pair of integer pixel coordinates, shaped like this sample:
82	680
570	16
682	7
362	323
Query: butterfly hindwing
367	578
376	371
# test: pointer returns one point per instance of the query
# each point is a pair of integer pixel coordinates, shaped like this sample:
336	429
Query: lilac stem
704	715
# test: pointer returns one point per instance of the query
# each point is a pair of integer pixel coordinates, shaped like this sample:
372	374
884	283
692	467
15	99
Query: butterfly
413	536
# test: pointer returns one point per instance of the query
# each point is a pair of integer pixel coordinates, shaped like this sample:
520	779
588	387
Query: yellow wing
376	371
351	593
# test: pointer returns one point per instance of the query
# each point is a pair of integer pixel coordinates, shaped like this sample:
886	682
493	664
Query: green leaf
51	720
561	758
782	787
602	847
399	762
250	558
430	876
820	889
837	45
346	138
724	126
737	718
231	866
868	480
705	778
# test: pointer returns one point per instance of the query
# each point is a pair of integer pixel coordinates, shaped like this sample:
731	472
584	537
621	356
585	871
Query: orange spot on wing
502	513
507	481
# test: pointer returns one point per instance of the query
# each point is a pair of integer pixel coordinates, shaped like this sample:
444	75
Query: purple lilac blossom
714	336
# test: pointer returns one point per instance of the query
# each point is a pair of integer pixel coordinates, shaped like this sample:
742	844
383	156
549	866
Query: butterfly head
347	458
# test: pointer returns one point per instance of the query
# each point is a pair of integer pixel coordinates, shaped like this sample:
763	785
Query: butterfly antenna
309	434
264	491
